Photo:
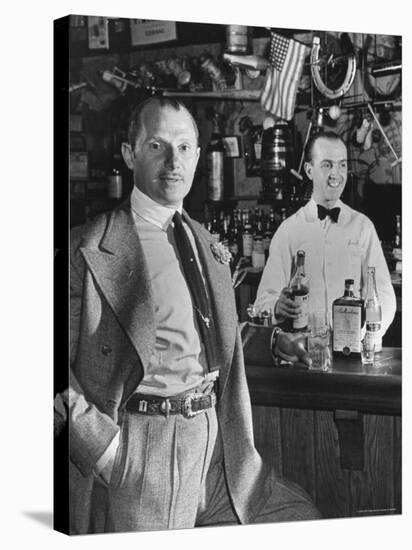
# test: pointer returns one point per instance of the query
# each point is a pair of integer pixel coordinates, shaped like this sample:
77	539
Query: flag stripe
282	77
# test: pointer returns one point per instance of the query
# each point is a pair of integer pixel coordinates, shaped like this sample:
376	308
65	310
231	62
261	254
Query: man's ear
308	169
128	155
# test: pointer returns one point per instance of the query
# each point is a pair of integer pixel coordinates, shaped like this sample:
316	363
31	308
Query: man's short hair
327	134
136	122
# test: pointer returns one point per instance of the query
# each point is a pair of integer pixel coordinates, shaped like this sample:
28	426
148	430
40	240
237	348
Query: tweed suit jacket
112	336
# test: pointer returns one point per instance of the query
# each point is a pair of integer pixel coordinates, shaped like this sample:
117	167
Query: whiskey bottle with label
348	319
247	241
299	292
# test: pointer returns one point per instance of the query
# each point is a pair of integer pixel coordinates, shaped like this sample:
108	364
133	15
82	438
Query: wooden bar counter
336	433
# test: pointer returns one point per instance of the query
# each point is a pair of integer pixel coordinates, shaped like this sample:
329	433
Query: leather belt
189	405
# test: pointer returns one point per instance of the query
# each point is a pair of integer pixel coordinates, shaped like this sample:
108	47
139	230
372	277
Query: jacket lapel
221	292
120	270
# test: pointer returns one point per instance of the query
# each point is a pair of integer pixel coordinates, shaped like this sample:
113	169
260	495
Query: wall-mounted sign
98	31
147	31
79	165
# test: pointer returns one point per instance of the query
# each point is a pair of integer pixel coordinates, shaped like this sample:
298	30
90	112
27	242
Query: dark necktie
333	213
197	290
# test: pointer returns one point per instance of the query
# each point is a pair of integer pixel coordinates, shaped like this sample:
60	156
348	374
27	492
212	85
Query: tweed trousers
169	474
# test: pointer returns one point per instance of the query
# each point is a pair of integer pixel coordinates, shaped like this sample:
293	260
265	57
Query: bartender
340	243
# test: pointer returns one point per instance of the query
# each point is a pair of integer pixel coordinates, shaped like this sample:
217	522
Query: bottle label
373	331
258	246
215	175
247	245
114	190
301	321
347	329
258	259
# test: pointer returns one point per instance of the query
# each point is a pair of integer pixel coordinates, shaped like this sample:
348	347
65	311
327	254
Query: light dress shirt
334	252
177	363
178	360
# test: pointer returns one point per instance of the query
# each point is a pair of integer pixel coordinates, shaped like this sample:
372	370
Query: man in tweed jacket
136	462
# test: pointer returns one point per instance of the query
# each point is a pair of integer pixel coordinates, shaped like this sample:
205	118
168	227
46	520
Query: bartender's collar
151	211
314	205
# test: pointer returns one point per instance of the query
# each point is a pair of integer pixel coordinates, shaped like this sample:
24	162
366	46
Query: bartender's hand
285	307
291	348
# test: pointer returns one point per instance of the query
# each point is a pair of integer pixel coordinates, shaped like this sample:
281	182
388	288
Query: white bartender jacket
334	252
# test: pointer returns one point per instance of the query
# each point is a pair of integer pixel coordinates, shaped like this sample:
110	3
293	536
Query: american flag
286	59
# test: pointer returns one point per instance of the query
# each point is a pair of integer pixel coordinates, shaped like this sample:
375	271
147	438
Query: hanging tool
378	124
297	173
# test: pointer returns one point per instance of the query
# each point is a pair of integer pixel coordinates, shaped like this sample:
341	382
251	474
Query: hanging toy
363	131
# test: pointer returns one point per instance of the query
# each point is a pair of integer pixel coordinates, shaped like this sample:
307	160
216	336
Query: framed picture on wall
232	146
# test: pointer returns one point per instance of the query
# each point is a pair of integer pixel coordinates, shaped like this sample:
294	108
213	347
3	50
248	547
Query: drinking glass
318	341
367	351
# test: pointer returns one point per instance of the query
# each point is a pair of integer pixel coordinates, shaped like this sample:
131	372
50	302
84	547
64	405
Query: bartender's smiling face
165	154
328	170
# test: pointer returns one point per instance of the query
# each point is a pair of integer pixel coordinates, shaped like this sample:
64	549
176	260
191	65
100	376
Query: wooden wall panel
304	446
397	463
333	483
373	488
298	448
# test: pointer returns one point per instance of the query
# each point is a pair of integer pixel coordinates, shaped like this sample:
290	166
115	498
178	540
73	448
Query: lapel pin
221	253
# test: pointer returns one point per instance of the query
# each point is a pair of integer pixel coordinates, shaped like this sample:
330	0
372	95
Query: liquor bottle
215	230
397	242
115	184
215	73
293	200
257	217
299	292
272	219
224	237
373	311
347	318
258	251
247	240
215	152
267	237
240	228
233	242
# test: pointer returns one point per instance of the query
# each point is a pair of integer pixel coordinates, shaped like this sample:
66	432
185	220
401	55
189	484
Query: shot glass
367	351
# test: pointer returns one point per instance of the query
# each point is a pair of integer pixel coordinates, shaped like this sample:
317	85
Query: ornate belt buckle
187	406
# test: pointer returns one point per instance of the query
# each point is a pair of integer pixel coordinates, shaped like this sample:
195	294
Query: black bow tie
333	213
